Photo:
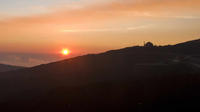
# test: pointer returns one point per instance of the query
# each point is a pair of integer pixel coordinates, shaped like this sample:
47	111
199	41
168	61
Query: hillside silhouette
133	79
5	68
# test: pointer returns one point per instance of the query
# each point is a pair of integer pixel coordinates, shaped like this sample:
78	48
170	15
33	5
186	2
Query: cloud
96	14
115	9
105	29
27	60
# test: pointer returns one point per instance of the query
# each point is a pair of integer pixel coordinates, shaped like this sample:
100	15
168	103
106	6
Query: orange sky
88	27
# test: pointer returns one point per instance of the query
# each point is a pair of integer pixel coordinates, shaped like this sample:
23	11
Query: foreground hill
5	68
164	78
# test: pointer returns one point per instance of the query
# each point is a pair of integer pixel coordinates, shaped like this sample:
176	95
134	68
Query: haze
44	27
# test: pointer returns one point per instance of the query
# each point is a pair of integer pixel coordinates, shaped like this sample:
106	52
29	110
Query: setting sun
65	52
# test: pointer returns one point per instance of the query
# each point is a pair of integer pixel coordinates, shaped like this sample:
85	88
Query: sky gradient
44	27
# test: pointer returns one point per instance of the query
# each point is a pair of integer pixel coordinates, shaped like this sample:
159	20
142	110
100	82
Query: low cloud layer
26	60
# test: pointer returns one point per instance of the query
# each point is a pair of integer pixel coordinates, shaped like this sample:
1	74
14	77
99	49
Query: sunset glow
44	27
65	52
91	55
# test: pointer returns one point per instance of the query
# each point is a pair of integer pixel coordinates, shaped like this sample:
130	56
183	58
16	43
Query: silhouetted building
148	44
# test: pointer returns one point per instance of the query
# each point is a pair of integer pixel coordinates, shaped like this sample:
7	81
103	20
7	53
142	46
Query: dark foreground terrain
134	79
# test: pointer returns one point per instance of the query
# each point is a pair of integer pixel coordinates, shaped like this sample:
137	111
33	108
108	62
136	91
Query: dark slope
5	68
130	79
192	43
190	47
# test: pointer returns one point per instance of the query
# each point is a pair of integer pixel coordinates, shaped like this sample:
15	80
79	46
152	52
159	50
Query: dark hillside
164	78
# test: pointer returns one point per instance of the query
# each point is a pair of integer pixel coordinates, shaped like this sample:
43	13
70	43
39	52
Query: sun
65	52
